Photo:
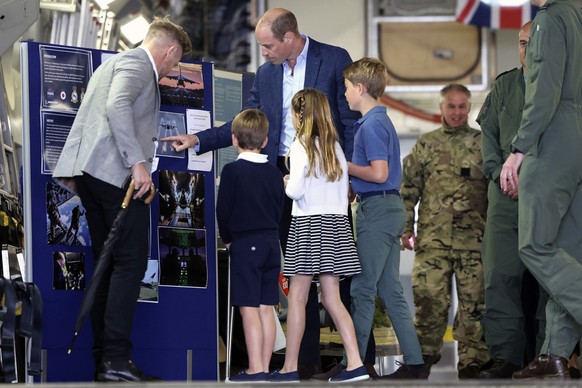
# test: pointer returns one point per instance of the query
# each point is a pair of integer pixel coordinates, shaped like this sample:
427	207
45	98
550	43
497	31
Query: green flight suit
550	180
442	174
503	271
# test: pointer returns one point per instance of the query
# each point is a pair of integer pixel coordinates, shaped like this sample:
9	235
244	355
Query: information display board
175	325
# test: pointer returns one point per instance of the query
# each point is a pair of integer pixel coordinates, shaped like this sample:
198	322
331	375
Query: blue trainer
244	377
289	377
349	376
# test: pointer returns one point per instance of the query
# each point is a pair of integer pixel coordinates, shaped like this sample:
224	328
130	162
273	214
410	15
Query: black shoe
371	371
469	372
429	361
335	370
487	365
306	371
574	372
122	371
500	369
408	372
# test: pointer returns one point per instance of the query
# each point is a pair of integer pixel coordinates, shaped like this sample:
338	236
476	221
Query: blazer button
150	160
154	139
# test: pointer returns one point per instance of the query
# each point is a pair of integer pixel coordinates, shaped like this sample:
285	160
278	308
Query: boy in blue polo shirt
376	173
248	211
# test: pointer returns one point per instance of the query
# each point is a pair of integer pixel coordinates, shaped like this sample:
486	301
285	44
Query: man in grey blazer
295	62
113	138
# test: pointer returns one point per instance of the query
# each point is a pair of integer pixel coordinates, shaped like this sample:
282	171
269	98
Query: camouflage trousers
432	276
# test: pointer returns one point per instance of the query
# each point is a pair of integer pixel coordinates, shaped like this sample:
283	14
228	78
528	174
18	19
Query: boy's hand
182	142
408	240
351	193
285	180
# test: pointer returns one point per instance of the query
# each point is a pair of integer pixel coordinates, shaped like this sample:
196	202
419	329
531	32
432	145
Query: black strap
8	329
34	362
24	328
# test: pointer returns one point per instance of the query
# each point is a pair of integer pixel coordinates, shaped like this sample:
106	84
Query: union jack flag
493	15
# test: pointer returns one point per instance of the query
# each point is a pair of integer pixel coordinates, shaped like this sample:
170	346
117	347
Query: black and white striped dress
320	237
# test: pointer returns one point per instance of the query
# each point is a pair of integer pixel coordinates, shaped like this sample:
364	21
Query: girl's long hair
314	126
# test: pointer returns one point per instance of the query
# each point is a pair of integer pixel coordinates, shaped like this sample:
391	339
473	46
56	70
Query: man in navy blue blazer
294	62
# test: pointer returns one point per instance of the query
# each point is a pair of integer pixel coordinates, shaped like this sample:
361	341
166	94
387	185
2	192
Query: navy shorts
255	264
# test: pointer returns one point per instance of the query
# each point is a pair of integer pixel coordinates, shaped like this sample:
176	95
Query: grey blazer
117	123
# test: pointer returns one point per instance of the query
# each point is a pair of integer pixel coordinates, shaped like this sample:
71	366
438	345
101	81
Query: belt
368	194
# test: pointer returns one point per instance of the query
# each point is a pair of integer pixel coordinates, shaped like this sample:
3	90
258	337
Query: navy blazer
324	71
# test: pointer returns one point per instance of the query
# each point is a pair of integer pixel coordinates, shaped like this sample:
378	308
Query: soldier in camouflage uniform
443	176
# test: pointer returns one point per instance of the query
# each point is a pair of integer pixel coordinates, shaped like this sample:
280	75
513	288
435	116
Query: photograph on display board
65	73
181	197
149	284
66	222
69	271
184	86
170	124
183	257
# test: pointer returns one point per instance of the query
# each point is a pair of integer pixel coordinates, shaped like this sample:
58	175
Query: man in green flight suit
504	320
442	174
547	148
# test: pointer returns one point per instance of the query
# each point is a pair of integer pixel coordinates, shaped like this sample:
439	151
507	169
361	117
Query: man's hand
408	240
142	180
508	179
513	194
182	142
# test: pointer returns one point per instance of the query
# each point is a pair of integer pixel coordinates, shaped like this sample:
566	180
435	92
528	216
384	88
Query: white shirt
254	157
293	81
315	195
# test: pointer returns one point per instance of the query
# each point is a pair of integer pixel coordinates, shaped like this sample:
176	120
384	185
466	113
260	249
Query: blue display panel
175	325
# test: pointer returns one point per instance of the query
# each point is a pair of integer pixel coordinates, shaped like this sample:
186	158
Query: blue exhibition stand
175	337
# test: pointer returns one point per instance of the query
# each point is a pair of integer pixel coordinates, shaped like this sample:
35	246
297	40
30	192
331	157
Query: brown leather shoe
546	366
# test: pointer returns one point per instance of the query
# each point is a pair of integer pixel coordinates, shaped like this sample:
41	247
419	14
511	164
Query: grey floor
443	374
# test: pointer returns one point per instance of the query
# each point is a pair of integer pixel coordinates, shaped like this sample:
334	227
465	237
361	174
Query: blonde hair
250	127
162	28
369	72
315	125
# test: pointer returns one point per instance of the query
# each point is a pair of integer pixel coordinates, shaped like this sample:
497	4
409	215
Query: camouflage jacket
442	174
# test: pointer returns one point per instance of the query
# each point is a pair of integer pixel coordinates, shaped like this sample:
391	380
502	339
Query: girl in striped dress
320	246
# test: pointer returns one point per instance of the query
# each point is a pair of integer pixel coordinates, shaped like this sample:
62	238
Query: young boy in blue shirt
376	175
248	211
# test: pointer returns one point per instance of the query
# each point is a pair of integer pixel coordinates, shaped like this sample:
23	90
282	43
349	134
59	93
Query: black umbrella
105	259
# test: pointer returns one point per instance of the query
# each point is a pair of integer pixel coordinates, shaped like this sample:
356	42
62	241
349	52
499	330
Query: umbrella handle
152	194
128	195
